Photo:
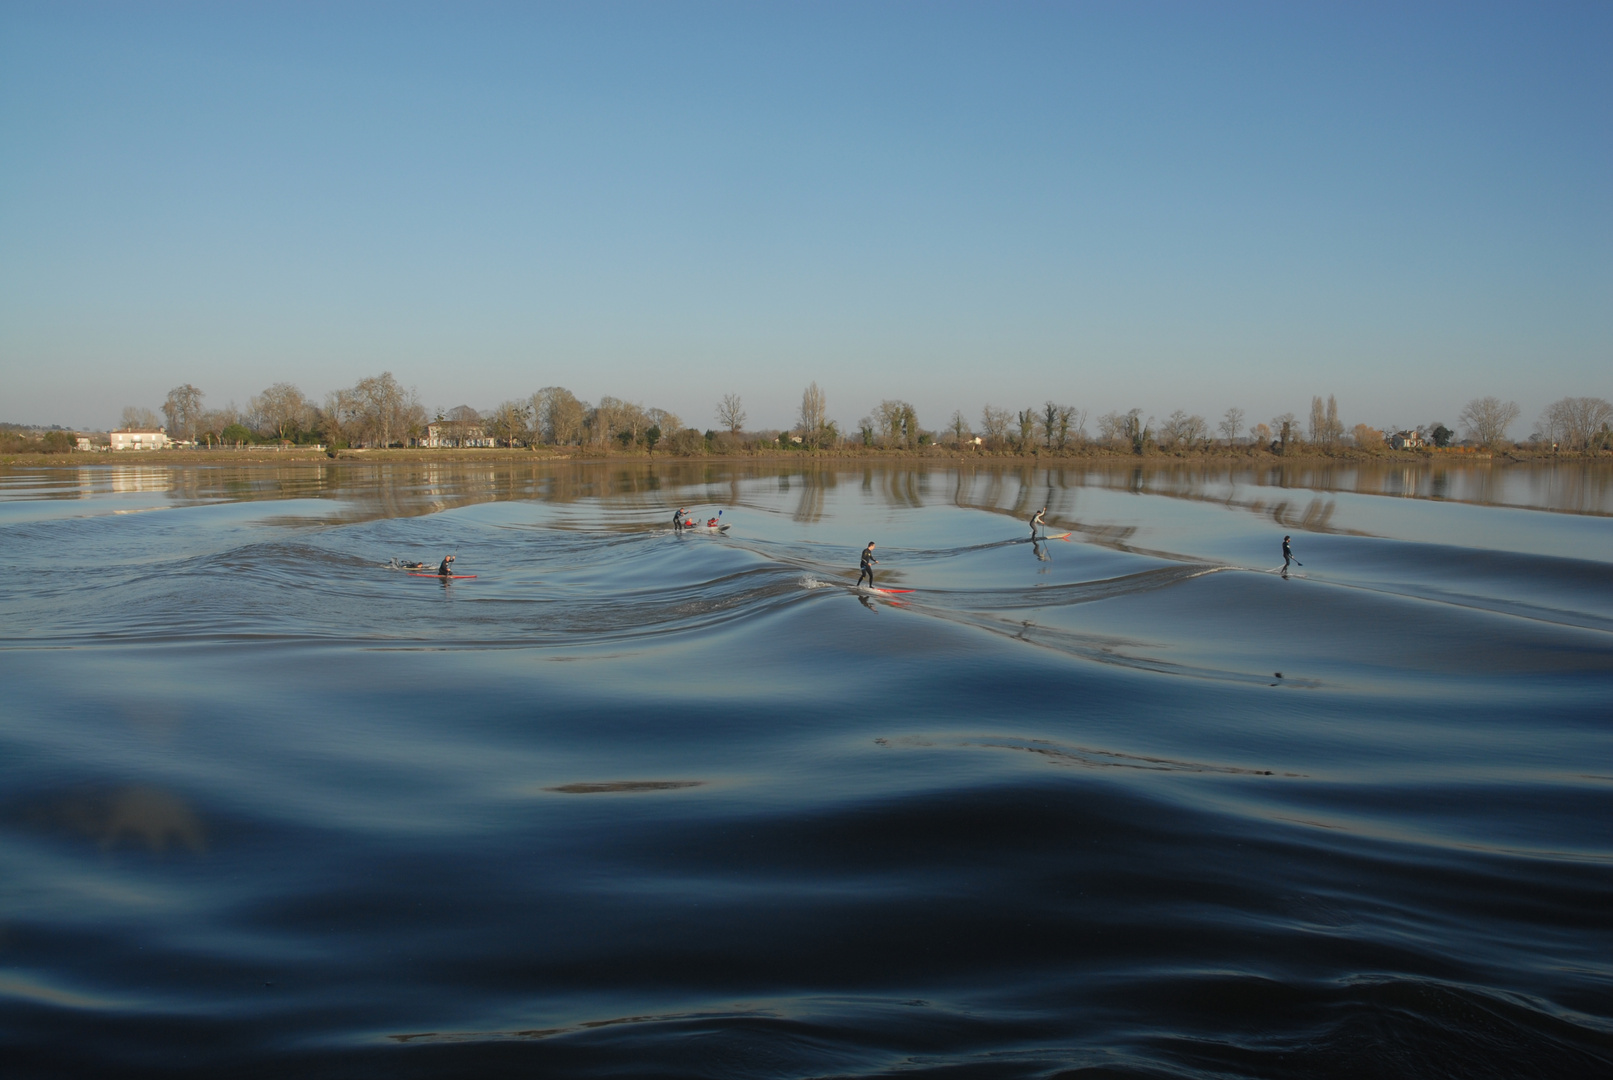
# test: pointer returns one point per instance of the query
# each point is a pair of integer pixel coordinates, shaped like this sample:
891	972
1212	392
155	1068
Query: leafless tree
959	427
512	422
1487	419
382	411
279	410
136	418
731	413
1123	429
1231	424
1575	422
1261	434
994	424
1182	431
183	410
814	415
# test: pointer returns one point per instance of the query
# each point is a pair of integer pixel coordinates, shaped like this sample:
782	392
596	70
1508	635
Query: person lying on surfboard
868	562
443	569
1036	521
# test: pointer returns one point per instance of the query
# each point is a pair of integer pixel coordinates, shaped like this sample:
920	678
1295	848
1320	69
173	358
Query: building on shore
139	440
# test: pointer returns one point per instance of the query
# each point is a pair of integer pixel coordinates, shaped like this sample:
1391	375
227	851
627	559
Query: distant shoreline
930	454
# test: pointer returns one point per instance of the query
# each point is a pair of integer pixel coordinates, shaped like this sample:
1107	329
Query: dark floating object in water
625	785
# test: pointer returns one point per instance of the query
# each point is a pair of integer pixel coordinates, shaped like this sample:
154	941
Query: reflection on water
139	817
401	489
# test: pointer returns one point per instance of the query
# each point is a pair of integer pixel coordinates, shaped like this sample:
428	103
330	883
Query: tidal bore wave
630	803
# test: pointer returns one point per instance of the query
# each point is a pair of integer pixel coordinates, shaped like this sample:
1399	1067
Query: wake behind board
449	577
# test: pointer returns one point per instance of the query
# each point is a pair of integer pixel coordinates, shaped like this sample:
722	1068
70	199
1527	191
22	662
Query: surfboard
450	577
862	588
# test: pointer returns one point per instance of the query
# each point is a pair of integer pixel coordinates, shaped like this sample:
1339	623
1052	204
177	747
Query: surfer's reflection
1039	547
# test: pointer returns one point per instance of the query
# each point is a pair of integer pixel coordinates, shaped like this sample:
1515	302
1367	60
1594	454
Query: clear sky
1161	205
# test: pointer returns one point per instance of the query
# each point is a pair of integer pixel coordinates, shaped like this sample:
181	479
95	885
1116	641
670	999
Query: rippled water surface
1127	803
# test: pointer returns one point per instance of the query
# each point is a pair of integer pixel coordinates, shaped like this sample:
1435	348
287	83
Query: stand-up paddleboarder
677	520
868	562
1036	521
1288	556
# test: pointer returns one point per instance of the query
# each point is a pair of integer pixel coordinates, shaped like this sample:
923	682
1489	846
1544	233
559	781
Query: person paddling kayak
868	562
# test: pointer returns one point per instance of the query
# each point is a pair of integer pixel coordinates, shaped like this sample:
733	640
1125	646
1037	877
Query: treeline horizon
378	411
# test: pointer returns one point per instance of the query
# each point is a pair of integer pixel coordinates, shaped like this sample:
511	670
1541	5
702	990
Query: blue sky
1166	206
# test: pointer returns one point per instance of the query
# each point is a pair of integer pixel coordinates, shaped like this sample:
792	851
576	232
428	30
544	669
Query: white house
139	440
455	433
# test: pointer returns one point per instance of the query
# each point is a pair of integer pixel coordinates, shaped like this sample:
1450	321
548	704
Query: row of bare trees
379	411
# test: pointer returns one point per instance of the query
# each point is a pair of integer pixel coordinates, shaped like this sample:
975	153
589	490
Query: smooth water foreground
628	803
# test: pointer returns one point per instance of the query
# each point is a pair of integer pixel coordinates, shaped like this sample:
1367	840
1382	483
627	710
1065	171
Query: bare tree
959	426
280	410
994	424
1332	428
1181	431
814	415
1123	429
558	416
511	422
183	410
136	418
1318	424
1231	424
1575	422
731	413
1261	434
382	411
1487	419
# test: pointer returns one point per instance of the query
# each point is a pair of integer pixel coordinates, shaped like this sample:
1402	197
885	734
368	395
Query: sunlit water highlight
636	803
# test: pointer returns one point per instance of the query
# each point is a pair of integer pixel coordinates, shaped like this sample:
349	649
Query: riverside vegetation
379	413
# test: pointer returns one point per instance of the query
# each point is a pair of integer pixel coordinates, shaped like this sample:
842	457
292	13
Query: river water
629	803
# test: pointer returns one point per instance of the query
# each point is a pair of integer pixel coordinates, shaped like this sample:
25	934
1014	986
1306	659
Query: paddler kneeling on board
868	562
444	569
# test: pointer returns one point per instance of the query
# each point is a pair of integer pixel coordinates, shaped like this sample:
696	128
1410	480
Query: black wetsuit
444	569
677	521
867	570
1288	553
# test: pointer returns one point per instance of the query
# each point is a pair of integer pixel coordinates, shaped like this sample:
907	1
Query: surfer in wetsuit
1036	521
677	520
443	569
1288	556
868	562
